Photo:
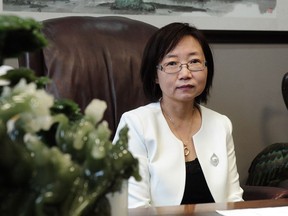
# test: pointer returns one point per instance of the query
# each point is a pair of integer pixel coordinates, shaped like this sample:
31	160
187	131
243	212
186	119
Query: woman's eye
194	61
169	64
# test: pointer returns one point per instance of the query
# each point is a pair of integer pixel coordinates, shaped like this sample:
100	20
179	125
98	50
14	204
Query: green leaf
67	107
18	35
15	75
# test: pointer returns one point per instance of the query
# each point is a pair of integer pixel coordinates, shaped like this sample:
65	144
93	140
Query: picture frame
242	28
246	37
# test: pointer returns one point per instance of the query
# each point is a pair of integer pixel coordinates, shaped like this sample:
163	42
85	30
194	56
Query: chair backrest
94	57
285	88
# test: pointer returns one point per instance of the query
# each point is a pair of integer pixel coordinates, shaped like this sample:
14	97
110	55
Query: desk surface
205	209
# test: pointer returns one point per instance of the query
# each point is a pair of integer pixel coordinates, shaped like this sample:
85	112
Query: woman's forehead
188	45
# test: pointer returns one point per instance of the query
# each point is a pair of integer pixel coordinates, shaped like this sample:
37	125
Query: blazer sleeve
138	191
235	192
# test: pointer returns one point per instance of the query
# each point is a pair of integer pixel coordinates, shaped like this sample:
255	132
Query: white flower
3	71
37	115
95	110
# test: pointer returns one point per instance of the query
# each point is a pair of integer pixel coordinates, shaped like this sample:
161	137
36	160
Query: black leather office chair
94	57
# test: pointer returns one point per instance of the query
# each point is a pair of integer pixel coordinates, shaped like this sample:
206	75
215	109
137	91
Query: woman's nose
185	72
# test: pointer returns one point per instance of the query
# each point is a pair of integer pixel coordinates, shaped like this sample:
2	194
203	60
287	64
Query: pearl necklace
186	150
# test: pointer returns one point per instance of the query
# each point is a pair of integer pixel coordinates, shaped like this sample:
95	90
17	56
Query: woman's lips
185	87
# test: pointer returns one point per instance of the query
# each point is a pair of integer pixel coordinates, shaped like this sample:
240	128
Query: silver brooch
214	160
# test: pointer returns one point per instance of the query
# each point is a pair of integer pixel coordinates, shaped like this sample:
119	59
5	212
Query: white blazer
162	162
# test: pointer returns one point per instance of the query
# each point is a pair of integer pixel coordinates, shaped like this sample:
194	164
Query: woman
185	150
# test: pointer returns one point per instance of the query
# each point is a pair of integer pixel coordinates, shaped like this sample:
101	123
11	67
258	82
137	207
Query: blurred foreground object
18	35
54	159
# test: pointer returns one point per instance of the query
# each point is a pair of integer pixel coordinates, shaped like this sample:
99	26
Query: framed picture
223	21
248	37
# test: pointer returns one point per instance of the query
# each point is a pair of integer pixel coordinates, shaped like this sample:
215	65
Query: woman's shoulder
207	111
142	116
209	115
144	110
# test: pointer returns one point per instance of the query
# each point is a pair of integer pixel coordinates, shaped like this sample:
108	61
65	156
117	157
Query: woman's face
184	85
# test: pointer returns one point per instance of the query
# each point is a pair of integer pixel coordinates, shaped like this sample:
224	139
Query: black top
196	188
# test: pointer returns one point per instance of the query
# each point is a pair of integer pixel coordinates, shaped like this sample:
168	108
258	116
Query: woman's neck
178	111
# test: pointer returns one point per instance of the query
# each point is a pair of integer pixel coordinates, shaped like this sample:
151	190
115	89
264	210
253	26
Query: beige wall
247	88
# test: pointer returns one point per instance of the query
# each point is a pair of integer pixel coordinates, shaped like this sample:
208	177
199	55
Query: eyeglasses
173	67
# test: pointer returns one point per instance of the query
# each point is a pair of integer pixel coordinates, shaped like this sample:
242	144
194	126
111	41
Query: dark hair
161	43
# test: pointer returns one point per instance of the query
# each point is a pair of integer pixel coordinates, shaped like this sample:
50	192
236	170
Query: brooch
214	160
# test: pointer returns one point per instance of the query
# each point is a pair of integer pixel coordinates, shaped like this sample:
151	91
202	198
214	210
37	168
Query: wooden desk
205	209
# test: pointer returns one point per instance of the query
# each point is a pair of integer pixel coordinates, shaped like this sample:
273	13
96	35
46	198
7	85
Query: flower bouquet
54	160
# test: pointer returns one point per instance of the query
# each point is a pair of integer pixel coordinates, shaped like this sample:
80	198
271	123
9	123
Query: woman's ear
157	80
